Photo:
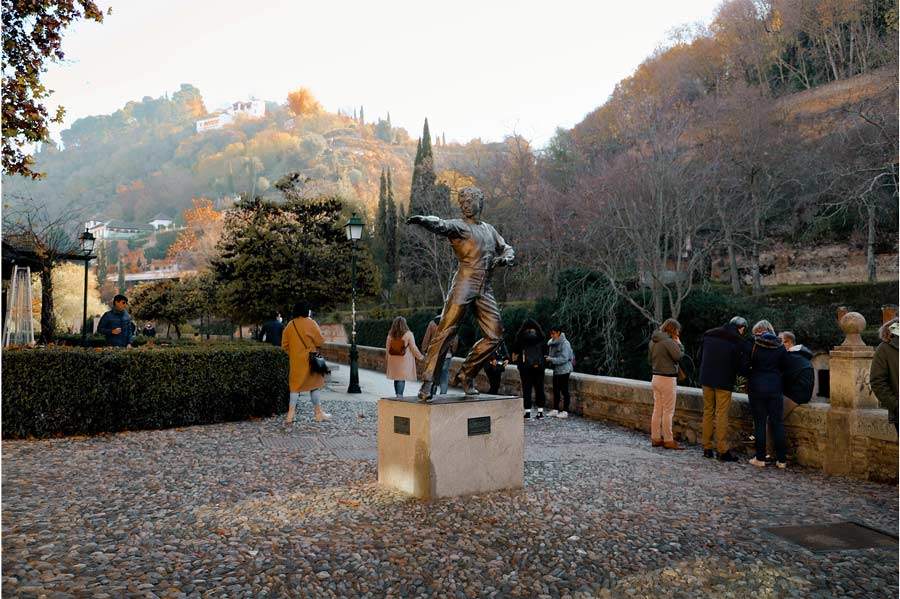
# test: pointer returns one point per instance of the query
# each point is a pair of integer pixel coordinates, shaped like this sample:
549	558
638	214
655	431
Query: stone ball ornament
852	324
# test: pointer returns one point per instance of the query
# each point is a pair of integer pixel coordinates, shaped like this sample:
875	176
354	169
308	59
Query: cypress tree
381	215
421	194
426	142
121	280
362	116
390	238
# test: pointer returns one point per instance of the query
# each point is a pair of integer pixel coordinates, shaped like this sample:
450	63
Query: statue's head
471	201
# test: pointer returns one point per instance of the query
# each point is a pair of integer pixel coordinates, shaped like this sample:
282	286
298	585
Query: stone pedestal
451	446
854	412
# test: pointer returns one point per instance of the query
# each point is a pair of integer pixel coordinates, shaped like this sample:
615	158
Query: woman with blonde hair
765	367
665	352
401	352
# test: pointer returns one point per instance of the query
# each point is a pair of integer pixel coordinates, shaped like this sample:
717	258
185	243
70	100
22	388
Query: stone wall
796	265
629	403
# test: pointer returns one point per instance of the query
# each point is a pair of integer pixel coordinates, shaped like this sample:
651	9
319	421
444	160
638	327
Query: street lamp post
87	246
354	229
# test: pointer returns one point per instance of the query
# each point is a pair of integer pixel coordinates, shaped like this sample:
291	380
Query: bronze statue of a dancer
479	249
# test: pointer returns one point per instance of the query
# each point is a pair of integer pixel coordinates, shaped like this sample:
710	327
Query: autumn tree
302	102
32	36
68	296
195	245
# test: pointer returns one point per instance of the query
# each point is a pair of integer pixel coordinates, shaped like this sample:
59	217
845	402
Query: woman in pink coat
401	352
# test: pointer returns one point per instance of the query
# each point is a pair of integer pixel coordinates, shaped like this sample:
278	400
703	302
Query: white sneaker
781	465
552	413
562	415
758	463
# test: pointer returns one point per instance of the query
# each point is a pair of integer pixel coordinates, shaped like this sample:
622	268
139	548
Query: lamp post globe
354	229
87	246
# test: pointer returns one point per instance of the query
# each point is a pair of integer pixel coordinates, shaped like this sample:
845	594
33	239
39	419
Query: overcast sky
475	69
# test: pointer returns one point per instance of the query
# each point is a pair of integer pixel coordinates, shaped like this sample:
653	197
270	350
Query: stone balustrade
871	453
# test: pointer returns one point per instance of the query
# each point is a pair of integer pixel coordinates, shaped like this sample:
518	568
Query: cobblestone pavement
254	509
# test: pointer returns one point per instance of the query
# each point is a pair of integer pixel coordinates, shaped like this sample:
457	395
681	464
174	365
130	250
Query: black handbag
317	362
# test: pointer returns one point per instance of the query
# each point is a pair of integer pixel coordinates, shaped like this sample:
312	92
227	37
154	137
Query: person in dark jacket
799	377
665	352
721	351
271	331
765	366
116	325
528	355
149	330
495	367
883	374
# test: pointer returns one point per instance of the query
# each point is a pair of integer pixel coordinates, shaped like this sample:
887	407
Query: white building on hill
253	109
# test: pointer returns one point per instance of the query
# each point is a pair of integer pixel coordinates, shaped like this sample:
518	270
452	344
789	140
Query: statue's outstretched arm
434	224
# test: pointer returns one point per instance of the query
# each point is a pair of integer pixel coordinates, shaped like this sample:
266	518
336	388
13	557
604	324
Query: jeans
313	397
399	386
561	388
768	408
532	380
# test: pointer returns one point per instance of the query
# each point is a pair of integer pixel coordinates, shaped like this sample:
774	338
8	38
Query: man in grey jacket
560	359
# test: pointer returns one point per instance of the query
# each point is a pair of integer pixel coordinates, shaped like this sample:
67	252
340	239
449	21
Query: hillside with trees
147	157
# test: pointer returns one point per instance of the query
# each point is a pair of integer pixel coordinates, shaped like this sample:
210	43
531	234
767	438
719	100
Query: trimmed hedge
55	390
74	340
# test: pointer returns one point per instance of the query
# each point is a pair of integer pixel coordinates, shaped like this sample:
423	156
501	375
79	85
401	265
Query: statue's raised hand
415	220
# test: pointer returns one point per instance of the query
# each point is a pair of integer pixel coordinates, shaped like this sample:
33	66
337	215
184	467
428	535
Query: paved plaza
256	509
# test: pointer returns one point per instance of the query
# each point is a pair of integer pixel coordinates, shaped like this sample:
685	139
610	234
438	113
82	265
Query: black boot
727	457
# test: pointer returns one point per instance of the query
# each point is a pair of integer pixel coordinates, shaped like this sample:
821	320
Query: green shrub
66	390
74	340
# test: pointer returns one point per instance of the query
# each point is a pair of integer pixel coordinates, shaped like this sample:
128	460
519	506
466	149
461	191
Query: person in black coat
495	367
765	367
271	331
528	355
799	376
721	352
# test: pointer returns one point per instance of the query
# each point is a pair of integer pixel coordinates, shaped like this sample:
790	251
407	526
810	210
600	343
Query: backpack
397	347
